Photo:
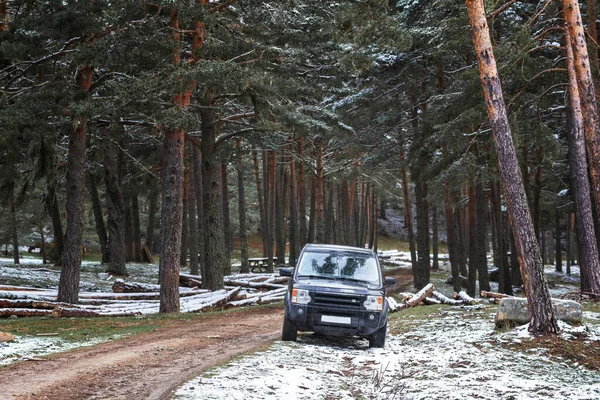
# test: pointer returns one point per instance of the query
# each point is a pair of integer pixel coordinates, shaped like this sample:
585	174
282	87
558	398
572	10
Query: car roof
324	247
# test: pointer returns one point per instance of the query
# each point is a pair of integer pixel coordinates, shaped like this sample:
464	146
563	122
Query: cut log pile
134	298
429	296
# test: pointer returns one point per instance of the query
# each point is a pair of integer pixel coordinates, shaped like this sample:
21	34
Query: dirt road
146	366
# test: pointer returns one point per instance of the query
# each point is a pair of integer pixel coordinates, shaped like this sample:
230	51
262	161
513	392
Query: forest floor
432	352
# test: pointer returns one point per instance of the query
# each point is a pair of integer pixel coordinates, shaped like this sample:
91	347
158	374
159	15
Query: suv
336	290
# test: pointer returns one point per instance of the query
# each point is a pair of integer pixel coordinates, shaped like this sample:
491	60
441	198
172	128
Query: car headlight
374	303
300	296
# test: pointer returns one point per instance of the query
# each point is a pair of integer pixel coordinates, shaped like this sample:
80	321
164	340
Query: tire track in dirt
146	366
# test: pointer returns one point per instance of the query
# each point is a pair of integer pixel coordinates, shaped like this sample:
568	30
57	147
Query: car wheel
289	333
378	338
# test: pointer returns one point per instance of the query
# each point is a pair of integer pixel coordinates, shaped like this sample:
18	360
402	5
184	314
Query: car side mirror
389	281
285	271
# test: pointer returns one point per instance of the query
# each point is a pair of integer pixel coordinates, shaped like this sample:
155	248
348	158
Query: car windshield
339	265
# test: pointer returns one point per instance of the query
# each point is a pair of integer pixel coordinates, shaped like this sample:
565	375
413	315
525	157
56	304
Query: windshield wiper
317	276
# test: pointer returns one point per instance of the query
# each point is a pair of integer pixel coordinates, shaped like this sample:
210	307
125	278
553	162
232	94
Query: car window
343	265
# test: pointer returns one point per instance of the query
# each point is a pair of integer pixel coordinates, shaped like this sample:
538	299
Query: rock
513	311
6	337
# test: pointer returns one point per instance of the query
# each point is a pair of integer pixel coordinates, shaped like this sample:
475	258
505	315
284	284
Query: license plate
336	320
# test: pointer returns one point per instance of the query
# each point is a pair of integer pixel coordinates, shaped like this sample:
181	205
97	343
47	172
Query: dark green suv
336	290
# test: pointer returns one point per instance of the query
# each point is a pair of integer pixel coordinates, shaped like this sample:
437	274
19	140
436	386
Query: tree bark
171	219
311	219
587	95
302	230
53	209
557	241
136	225
435	265
14	234
530	259
261	205
588	250
197	169
127	223
152	207
227	234
68	287
242	208
114	201
482	234
452	237
183	256
408	219
214	252
192	223
98	218
319	195
421	273
294	242
473	259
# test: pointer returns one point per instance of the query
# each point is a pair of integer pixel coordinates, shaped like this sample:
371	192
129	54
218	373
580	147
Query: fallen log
253	285
466	299
24	312
446	300
431	301
120	286
41	305
394	305
63	312
190	280
493	295
421	294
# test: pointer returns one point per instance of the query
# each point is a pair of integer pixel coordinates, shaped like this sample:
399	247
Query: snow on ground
451	355
30	347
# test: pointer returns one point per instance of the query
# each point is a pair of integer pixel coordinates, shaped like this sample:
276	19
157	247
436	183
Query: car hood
336	286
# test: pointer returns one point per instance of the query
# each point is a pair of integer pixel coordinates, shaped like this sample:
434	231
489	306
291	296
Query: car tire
289	333
378	338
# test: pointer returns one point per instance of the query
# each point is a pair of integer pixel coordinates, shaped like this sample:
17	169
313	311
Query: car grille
336	301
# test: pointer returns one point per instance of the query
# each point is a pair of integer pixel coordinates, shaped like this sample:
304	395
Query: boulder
513	311
6	337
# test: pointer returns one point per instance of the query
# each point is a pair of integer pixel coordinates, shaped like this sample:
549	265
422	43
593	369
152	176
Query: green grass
81	329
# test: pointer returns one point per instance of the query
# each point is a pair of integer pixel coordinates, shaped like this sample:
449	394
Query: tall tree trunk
261	205
192	223
592	33
557	241
98	218
586	238
14	236
294	242
114	201
319	195
461	229
452	238
435	239
171	219
311	219
373	225
242	208
183	255
152	207
568	243
197	168
421	273
227	234
473	260
53	210
127	224
329	216
280	211
268	204
587	95
136	225
43	240
68	287
302	230
536	289
272	170
482	233
214	252
408	219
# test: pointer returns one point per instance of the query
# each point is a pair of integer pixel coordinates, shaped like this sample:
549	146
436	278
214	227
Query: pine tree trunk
319	195
227	234
68	287
592	33
537	196
214	252
435	265
152	207
183	255
482	233
311	219
192	223
280	206
473	259
408	219
328	215
587	95
198	194
588	250
127	224
373	225
114	201
171	219
294	243
536	290
268	204
302	230
421	273
261	206
242	208
14	235
452	238
568	243
98	218
460	227
557	241
53	210
272	203
136	224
